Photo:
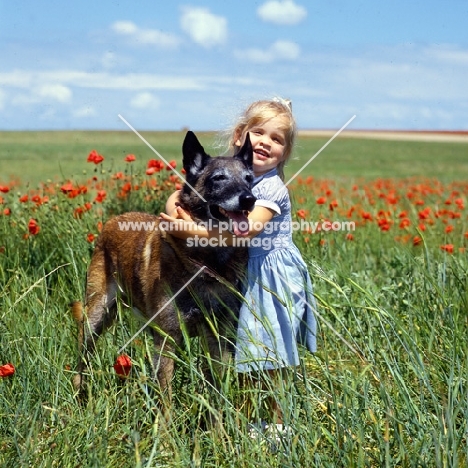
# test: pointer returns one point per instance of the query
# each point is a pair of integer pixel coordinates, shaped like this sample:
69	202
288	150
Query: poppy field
388	385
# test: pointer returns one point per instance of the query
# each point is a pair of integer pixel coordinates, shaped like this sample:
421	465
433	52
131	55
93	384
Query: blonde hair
261	111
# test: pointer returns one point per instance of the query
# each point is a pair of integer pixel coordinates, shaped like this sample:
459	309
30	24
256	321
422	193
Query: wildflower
321	201
6	370
172	165
24	198
130	158
405	222
101	195
68	187
448	228
447	248
94	157
417	241
4	189
33	227
424	214
123	365
349	236
90	237
301	214
333	205
459	203
7	211
157	165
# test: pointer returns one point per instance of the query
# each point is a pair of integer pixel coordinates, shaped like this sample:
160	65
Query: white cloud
284	12
102	80
44	93
145	101
204	27
55	92
145	36
447	53
278	51
84	111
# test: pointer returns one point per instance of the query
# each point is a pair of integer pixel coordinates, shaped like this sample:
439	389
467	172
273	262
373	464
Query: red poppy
94	157
321	201
33	227
424	214
7	212
6	370
172	165
68	187
4	189
101	195
156	164
301	214
349	236
447	248
78	212
123	365
405	222
417	241
90	237
24	198
448	228
459	203
333	205
130	158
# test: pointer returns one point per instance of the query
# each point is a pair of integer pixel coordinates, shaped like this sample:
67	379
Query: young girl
279	305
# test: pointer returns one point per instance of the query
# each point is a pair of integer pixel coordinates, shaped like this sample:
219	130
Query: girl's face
268	142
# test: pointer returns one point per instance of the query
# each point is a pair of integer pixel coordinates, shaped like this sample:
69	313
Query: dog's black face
218	188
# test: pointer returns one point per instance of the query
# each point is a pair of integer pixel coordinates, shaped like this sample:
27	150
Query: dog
149	268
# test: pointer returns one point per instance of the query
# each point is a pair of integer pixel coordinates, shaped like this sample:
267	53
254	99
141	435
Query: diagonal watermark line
161	309
157	153
320	150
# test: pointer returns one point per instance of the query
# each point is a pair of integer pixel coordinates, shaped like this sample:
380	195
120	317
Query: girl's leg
252	386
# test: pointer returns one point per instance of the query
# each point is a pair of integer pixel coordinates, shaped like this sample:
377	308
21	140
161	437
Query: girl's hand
180	224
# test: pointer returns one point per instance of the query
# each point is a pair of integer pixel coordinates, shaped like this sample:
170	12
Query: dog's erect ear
195	158
245	154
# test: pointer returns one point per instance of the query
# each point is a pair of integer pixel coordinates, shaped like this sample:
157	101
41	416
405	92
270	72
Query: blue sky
168	65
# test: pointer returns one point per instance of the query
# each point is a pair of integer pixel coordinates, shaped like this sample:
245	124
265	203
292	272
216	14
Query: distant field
36	157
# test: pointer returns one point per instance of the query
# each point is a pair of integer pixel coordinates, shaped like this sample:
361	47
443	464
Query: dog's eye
219	178
249	178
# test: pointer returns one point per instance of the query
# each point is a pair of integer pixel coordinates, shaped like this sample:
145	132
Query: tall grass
387	386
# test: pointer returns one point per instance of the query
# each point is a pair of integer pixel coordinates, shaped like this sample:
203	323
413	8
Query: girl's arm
181	225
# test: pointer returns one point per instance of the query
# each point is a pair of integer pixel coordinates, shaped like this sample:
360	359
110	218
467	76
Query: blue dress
278	310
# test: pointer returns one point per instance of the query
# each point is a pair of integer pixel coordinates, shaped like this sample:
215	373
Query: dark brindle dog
145	268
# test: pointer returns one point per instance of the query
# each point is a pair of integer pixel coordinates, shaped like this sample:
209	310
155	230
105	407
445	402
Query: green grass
40	156
388	385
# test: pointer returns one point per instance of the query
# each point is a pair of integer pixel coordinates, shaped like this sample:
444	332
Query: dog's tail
77	313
